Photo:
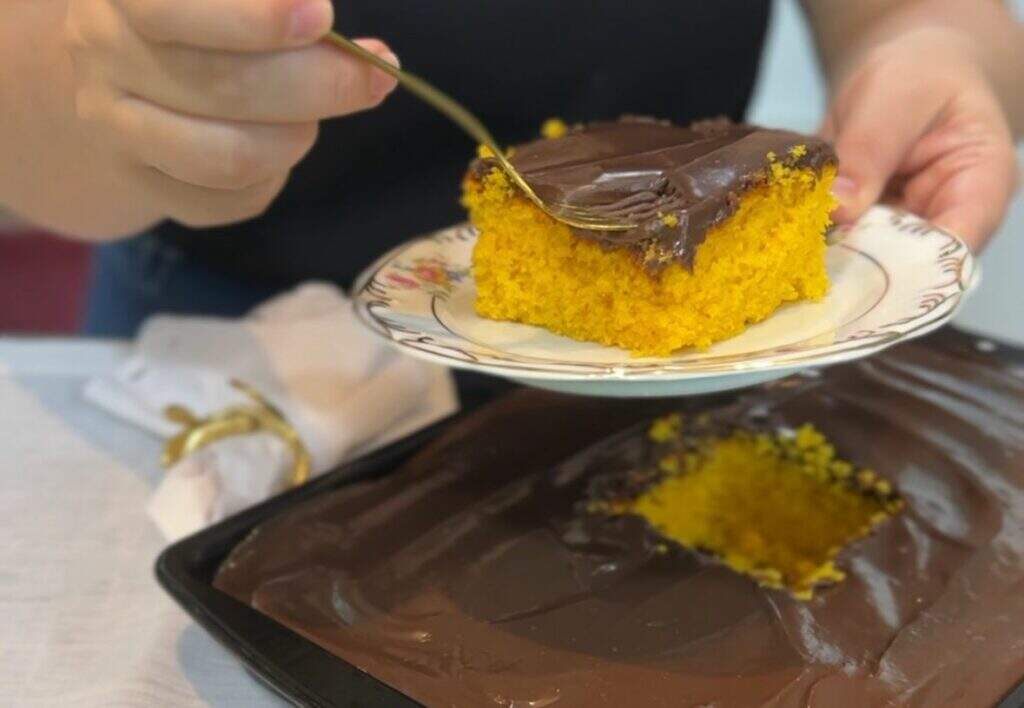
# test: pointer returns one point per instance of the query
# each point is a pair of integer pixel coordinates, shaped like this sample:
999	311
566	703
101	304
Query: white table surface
82	619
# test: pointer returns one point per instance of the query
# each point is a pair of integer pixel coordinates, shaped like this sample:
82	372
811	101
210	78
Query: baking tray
295	668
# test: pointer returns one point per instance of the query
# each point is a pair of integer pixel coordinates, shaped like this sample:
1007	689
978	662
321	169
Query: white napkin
342	388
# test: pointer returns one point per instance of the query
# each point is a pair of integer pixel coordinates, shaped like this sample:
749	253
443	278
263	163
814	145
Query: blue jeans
141	276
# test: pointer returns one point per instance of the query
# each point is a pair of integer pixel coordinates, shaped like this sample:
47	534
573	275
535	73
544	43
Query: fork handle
435	97
439	100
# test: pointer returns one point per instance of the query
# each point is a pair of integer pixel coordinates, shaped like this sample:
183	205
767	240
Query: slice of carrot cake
729	219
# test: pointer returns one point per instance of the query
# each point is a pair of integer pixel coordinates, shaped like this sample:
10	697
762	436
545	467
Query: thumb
874	130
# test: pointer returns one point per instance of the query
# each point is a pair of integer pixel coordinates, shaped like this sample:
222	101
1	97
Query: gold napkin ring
262	416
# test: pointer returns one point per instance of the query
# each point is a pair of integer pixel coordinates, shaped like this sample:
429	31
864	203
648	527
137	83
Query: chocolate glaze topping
675	183
470	577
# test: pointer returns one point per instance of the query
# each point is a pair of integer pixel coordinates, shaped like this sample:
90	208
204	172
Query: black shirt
383	176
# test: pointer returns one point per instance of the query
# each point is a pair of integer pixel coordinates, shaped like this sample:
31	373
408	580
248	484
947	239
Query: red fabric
42	283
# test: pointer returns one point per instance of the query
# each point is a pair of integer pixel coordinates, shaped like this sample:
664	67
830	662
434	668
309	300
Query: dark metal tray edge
286	662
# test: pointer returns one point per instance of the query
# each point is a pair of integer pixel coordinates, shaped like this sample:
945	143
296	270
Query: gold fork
566	213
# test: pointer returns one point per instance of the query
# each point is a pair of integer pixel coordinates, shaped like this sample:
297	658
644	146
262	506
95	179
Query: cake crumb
670	220
798	151
554	128
484	152
666	428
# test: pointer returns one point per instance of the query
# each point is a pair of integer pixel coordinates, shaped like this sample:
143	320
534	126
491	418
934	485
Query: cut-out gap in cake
775	504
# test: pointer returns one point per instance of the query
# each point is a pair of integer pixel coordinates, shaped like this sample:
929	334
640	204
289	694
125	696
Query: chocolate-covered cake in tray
558	551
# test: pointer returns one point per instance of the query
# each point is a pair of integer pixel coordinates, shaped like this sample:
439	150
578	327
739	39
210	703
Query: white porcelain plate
894	276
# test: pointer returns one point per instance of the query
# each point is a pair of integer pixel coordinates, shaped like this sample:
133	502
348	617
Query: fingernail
382	84
310	19
844	189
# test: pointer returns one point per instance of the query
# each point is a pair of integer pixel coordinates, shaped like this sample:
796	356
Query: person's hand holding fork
193	110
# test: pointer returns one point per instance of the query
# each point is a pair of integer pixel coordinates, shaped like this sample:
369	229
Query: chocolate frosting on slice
470	577
675	183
